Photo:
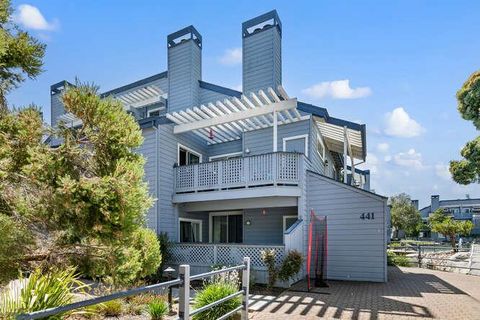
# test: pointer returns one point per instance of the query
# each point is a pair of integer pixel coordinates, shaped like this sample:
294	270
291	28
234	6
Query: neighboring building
238	172
459	209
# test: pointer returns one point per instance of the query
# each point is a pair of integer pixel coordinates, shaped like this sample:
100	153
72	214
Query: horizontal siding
56	107
268	228
356	247
261	141
225	148
207	96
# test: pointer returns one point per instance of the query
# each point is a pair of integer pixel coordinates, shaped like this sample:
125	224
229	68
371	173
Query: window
188	156
296	144
190	230
226	227
320	147
154	112
288	221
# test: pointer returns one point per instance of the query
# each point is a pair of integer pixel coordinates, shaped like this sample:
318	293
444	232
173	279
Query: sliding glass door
227	227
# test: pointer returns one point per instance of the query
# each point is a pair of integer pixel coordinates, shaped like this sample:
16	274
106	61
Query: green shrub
213	292
112	308
268	257
15	242
291	265
394	259
41	290
157	309
146	242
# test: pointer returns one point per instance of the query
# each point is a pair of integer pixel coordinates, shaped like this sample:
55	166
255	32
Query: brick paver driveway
411	293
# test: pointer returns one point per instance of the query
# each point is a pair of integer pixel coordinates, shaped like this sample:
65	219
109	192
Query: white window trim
285	221
322	156
189	150
301	136
190	220
153	110
222	213
224	155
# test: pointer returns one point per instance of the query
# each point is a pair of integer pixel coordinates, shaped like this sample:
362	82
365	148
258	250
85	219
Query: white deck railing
265	169
210	254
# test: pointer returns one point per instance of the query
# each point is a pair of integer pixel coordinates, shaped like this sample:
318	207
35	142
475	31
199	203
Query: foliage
268	257
157	309
467	170
15	242
397	260
112	308
290	266
86	200
20	54
39	291
212	292
404	216
164	243
442	223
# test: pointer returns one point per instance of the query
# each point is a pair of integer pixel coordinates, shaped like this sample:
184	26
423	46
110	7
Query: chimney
184	68
415	204
262	52
435	203
56	105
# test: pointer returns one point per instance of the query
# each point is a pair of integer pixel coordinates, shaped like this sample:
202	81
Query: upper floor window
188	156
296	144
154	112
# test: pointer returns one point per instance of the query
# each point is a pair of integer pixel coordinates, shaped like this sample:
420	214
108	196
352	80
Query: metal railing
264	169
183	281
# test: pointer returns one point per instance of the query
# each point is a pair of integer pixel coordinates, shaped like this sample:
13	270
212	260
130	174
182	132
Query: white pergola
141	97
343	140
226	120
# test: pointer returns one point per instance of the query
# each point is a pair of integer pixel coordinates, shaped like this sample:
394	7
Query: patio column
275	142
345	155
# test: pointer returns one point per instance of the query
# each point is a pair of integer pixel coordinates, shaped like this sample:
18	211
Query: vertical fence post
245	287
419	248
184	293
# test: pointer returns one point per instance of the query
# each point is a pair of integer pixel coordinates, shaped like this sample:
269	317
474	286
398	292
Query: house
459	209
236	172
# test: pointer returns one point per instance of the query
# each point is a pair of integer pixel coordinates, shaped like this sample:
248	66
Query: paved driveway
411	293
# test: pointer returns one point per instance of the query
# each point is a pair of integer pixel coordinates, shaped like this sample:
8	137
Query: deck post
345	155
245	287
184	292
275	125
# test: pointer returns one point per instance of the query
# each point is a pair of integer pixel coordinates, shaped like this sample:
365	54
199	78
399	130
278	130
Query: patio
410	293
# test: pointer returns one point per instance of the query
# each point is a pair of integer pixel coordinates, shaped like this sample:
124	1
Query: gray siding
262	60
356	247
184	72
224	148
56	107
268	228
207	96
261	141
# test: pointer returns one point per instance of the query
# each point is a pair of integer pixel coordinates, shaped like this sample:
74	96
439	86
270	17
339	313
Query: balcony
271	169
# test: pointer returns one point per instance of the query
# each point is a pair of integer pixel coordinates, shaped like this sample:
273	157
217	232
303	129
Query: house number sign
367	216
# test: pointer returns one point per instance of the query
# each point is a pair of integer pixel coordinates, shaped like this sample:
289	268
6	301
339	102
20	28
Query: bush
268	257
16	240
40	291
113	308
146	242
213	292
397	260
157	309
291	265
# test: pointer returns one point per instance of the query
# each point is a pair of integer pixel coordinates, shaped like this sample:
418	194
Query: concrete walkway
411	293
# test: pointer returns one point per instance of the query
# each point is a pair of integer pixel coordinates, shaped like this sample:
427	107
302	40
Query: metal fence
183	281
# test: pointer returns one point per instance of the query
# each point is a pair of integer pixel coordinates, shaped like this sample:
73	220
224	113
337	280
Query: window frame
153	110
300	136
200	222
285	217
181	146
319	139
225	155
224	213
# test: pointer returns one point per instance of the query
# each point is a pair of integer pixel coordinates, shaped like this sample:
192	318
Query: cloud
338	89
399	124
383	147
442	171
409	159
231	57
30	17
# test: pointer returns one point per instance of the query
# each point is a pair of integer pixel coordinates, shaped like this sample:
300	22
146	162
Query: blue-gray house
238	172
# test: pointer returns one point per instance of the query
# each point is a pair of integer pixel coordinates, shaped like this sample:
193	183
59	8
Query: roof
135	84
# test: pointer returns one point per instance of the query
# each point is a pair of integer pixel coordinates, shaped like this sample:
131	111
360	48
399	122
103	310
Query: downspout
157	166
